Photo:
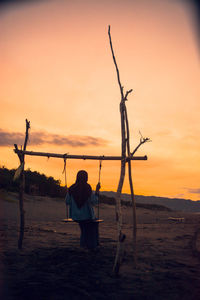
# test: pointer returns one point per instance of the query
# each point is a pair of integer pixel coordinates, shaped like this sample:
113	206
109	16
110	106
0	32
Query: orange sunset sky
57	71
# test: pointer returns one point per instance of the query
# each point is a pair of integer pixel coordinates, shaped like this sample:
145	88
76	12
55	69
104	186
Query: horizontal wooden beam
70	156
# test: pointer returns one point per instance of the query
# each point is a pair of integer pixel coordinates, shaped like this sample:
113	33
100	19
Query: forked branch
128	92
142	141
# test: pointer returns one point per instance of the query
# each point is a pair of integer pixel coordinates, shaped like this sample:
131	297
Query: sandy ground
52	266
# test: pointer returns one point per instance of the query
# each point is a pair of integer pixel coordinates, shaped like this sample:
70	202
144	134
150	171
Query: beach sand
52	266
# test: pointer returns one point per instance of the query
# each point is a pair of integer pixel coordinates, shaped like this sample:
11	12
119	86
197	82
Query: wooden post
132	191
125	154
121	236
21	187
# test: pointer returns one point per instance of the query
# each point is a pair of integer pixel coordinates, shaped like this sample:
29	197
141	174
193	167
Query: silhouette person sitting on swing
81	201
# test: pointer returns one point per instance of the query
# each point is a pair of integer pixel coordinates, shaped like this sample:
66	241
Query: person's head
82	176
80	190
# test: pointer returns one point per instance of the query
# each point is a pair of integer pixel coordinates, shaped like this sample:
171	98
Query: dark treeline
35	183
40	185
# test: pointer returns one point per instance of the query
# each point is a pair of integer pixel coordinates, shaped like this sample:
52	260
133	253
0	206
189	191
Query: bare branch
128	92
114	59
142	141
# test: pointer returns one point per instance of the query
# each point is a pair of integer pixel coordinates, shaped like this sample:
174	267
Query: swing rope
100	166
65	173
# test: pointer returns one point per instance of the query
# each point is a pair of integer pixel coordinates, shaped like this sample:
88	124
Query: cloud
194	191
8	138
40	137
180	195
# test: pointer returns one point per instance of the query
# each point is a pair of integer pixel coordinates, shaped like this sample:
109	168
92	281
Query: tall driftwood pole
121	236
20	173
125	154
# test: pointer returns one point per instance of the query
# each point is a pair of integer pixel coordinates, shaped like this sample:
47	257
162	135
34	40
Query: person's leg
82	235
88	236
97	233
92	236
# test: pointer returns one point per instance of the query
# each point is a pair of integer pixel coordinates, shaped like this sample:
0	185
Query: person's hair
80	190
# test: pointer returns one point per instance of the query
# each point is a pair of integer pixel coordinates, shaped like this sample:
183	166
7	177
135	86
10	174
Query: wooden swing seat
69	220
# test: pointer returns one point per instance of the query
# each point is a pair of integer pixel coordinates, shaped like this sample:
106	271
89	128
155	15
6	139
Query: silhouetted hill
171	203
40	184
111	201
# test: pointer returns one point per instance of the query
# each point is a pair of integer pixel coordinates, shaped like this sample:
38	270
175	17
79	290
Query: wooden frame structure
126	157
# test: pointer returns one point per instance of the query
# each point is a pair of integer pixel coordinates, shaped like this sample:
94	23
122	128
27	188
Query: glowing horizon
57	71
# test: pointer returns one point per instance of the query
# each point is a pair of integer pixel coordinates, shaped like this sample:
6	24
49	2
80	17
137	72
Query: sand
52	266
